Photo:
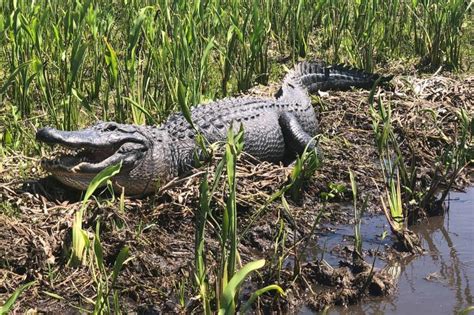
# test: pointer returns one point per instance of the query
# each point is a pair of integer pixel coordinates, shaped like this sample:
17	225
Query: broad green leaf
353	184
78	54
141	109
7	138
467	310
112	61
136	29
183	104
80	240
230	290
205	55
100	179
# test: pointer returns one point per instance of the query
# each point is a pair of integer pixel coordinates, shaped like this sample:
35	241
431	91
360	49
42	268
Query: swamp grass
70	63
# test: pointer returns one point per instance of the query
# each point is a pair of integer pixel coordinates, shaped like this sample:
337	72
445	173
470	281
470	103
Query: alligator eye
111	128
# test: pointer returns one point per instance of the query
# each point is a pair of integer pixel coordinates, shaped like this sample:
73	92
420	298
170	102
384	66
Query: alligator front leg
296	139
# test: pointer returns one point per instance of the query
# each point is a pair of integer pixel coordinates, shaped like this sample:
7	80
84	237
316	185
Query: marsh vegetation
235	233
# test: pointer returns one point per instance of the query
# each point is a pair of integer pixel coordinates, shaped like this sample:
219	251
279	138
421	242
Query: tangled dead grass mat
36	215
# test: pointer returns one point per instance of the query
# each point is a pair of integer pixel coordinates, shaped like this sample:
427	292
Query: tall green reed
392	164
229	277
69	63
106	281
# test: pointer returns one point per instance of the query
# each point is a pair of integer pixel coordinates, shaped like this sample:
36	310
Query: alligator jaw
91	160
93	149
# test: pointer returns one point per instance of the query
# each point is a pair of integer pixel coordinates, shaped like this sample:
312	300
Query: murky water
439	282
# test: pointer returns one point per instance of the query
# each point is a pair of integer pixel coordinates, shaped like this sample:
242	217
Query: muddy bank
36	216
439	282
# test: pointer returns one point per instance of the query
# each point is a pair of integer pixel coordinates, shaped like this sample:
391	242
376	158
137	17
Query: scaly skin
275	129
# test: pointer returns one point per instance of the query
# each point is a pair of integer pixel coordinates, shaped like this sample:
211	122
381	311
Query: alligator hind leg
296	139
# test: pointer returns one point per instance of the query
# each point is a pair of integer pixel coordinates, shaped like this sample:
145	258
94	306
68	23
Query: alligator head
102	145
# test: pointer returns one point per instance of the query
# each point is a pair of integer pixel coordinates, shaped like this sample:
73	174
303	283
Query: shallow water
439	282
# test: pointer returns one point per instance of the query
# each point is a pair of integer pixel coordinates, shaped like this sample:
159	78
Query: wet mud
439	282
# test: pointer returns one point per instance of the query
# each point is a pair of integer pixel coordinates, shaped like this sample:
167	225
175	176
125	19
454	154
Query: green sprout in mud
80	239
82	248
456	156
394	213
104	61
229	279
403	197
392	164
7	306
102	278
400	177
303	169
334	191
357	217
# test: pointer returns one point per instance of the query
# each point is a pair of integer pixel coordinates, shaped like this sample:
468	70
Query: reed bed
69	63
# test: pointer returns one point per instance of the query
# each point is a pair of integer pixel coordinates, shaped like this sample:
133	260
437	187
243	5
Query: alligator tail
317	76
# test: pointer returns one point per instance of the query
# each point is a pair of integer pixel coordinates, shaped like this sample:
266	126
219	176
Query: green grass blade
53	295
112	62
12	76
5	309
98	251
121	260
79	51
100	179
183	103
248	305
80	241
142	109
467	310
136	29
200	256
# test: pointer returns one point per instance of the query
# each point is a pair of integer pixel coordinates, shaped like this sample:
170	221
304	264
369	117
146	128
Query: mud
439	282
36	216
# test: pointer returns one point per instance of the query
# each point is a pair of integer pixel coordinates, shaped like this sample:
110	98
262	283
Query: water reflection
453	272
438	282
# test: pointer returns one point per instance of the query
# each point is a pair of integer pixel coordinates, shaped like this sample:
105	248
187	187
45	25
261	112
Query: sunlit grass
69	63
80	239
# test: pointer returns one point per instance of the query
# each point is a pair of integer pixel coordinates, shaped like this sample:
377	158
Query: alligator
275	129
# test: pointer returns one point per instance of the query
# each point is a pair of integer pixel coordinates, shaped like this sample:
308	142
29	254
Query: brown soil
36	215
